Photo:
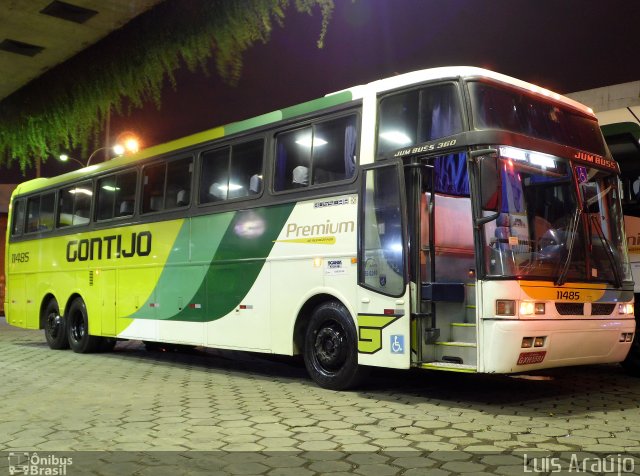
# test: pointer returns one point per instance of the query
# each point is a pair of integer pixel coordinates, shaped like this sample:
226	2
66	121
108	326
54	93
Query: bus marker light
317	262
623	337
527	342
389	312
354	260
629	337
540	308
195	306
505	307
539	341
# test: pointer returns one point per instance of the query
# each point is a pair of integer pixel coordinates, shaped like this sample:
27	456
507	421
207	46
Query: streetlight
130	144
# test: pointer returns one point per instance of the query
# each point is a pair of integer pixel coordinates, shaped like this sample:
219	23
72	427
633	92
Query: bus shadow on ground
562	392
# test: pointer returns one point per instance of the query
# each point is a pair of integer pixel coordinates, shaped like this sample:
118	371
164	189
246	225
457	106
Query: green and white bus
621	130
452	218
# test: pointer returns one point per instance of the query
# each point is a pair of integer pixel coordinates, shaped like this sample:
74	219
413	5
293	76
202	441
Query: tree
66	107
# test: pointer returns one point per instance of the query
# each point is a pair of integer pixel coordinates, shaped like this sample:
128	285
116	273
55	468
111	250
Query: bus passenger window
178	183
322	153
246	162
74	205
418	116
40	213
17	224
116	195
214	178
293	150
153	191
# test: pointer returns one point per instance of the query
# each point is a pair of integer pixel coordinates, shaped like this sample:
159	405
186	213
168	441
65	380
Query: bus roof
329	100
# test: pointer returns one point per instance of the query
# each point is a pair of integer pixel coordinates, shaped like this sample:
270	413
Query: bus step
460	352
463	332
451	367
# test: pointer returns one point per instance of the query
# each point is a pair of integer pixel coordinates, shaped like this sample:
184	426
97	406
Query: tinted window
17	226
116	195
418	116
502	108
321	153
74	205
167	185
40	213
232	172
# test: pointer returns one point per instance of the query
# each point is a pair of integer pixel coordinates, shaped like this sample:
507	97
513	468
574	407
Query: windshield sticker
581	173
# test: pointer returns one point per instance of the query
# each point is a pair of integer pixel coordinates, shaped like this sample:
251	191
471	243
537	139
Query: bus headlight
528	308
626	308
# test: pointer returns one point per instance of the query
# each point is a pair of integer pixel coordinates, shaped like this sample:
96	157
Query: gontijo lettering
107	247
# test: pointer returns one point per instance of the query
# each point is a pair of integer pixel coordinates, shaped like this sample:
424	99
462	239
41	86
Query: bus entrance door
444	268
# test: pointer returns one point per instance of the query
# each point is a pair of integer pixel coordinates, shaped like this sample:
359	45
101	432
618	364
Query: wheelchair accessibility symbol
581	173
397	344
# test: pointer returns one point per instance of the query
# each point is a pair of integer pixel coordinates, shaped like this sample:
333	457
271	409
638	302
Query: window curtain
350	138
451	175
281	167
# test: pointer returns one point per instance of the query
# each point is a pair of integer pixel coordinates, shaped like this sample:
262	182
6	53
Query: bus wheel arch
53	323
329	343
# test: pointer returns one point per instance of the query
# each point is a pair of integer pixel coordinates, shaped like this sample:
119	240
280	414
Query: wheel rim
330	347
54	324
77	327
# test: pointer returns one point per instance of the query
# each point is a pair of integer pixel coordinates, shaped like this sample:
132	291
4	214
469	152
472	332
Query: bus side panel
106	283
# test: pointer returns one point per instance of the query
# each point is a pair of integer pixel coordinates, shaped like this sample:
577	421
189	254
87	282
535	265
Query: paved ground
205	412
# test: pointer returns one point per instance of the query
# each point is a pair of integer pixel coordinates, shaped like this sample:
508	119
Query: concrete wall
610	97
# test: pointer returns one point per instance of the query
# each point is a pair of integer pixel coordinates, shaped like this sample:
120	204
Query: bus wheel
78	329
330	348
55	329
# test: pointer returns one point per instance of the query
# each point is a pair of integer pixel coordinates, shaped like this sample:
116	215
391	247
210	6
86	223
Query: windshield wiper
609	250
571	239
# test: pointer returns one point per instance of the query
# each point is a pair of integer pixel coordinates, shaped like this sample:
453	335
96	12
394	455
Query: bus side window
153	188
179	174
214	177
246	162
17	224
74	205
322	153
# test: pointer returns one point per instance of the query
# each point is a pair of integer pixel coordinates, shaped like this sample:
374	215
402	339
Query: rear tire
78	329
331	348
55	327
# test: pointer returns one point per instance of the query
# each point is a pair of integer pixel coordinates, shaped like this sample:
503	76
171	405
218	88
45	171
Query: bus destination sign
596	160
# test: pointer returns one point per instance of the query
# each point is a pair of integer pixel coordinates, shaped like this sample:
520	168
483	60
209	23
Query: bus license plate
527	358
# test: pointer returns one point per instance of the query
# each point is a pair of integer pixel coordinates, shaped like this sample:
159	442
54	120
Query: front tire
78	329
55	327
330	348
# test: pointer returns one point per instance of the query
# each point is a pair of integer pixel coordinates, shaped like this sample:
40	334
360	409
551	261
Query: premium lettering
328	228
108	247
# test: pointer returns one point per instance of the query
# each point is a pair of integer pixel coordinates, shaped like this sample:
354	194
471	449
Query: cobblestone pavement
209	412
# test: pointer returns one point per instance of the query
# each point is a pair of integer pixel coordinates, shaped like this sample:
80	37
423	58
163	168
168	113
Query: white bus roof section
454	72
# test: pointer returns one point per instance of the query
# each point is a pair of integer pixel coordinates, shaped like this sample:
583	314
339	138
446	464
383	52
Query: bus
621	130
451	219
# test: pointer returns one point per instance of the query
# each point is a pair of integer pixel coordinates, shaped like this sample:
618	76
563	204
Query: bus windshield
496	107
546	230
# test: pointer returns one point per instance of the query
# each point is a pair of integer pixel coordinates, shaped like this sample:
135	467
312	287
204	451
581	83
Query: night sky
563	45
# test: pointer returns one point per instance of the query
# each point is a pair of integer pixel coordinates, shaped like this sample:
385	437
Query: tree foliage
66	107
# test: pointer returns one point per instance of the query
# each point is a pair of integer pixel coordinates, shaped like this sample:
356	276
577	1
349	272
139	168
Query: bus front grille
570	308
602	308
